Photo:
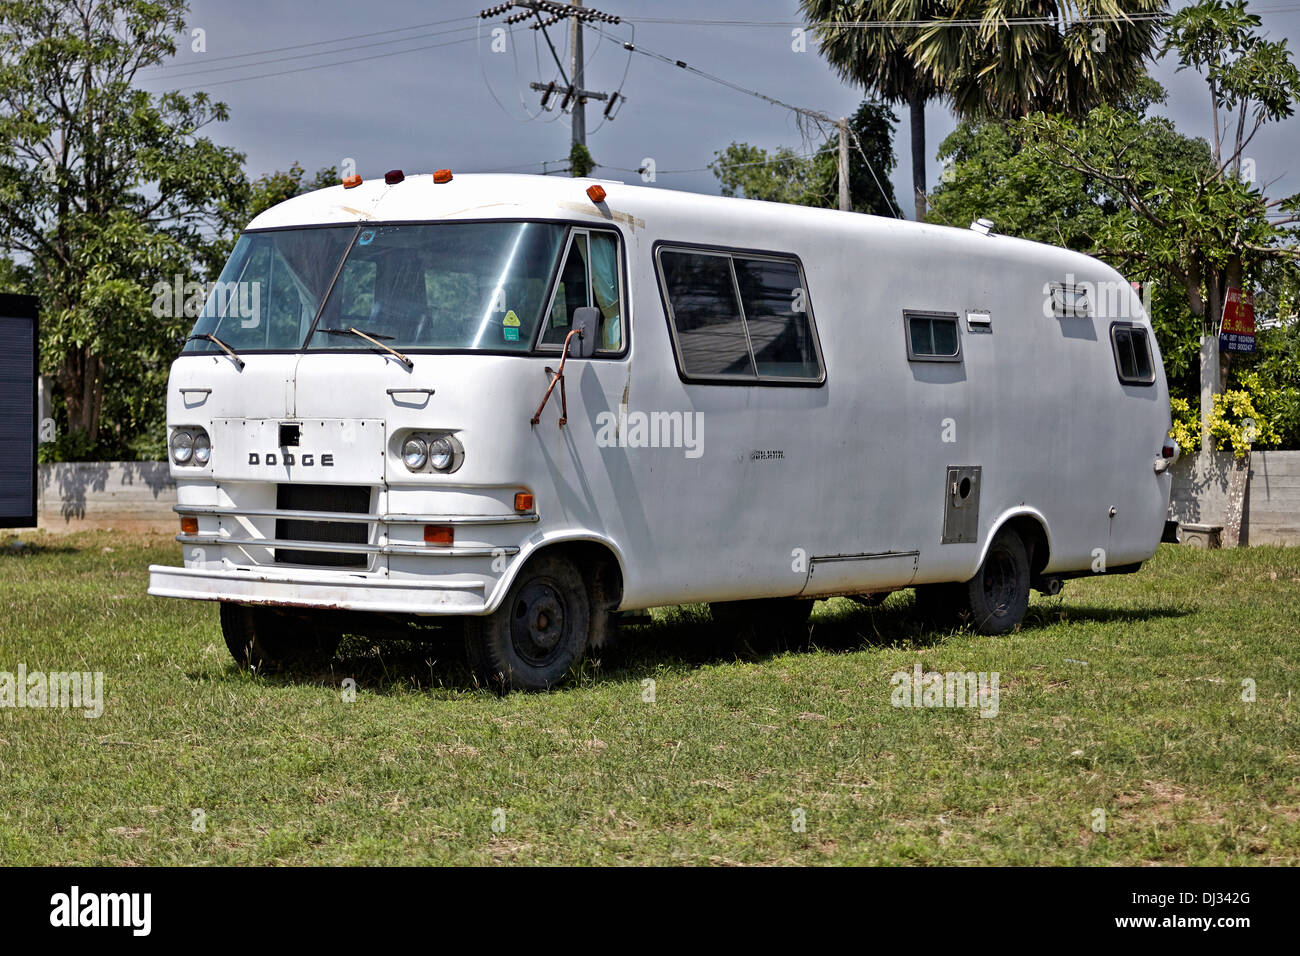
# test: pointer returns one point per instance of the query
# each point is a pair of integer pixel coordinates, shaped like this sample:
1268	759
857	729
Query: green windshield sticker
511	333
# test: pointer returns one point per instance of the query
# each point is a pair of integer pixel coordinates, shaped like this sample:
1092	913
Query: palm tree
879	60
983	58
1077	54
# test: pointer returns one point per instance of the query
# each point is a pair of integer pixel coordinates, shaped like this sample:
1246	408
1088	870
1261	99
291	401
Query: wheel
267	639
540	632
998	596
766	615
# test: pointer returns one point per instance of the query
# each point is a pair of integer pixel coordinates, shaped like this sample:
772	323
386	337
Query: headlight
415	453
442	454
182	447
202	448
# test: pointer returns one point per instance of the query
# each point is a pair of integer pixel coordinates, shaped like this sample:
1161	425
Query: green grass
1152	729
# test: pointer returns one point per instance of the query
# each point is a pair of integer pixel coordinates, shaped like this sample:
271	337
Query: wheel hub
537	624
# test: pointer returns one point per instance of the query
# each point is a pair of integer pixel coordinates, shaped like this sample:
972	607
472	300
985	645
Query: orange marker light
189	525
523	501
442	175
440	534
596	193
350	181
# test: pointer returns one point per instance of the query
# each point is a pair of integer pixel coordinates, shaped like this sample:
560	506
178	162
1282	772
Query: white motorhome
530	402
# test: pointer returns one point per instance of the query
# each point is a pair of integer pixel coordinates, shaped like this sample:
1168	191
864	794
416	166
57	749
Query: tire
267	639
540	632
764	616
998	596
994	601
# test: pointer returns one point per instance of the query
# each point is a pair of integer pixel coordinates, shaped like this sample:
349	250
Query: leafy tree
786	176
1208	229
104	190
880	61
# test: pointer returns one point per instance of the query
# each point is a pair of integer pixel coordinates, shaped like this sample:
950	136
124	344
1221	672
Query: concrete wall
127	496
1271	511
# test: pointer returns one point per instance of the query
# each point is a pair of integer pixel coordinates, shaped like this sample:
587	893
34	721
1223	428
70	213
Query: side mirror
587	319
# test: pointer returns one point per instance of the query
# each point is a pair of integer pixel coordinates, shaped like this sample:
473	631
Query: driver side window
590	276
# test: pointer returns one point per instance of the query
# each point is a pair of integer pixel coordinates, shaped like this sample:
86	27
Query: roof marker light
394	176
442	175
596	194
350	181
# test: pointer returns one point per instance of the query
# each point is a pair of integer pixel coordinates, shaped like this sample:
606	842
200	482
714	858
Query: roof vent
982	226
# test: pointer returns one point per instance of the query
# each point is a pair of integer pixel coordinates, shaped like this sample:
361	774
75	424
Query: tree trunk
916	105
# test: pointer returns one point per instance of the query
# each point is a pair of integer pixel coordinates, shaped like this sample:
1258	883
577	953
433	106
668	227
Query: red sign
1237	333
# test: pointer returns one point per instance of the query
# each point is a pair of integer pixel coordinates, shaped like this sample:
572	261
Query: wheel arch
588	550
1034	532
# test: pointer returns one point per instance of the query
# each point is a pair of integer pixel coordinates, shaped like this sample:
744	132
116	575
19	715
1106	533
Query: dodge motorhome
531	402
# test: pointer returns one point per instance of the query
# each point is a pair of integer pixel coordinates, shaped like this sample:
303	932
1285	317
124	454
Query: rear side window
1132	354
932	337
738	317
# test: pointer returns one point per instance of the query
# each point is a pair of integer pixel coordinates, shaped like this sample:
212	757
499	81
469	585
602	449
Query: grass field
1123	695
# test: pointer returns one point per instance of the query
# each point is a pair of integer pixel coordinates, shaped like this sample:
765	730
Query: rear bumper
335	591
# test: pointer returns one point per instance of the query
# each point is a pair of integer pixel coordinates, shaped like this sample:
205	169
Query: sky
425	90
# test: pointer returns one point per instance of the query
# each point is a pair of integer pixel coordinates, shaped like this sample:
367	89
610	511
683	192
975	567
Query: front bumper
314	589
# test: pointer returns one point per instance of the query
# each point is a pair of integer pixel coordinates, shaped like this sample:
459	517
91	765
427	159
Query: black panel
338	498
18	411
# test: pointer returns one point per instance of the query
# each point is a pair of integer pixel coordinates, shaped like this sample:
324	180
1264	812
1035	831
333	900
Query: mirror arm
557	376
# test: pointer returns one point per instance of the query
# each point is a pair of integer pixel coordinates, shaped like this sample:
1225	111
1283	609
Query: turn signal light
350	181
189	525
523	501
440	534
442	175
596	193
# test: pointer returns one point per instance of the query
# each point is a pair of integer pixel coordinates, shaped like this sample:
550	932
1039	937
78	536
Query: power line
893	24
302	46
307	56
802	113
321	66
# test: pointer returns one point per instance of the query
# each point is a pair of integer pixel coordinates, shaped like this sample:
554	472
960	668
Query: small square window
1133	361
932	337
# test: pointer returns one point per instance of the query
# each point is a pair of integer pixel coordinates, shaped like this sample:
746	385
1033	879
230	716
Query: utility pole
578	117
544	13
844	165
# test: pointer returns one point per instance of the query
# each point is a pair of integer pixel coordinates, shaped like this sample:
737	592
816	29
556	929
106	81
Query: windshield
271	288
452	286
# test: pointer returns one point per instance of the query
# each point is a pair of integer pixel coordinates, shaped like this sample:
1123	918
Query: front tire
267	639
540	632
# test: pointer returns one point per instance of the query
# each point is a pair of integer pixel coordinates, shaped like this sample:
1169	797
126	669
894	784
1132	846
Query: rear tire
998	596
268	639
994	601
540	632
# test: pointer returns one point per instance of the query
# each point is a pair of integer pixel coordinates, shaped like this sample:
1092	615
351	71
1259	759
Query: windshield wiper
209	337
373	338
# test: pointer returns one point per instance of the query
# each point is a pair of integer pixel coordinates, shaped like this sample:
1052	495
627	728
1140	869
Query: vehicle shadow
677	637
